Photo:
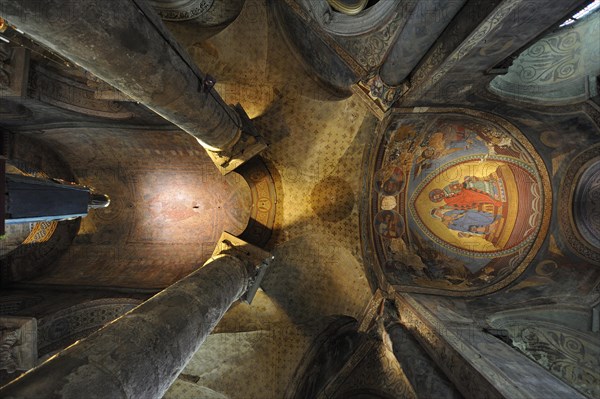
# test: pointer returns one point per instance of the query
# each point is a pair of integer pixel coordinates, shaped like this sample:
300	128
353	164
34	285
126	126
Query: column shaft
140	354
125	43
478	364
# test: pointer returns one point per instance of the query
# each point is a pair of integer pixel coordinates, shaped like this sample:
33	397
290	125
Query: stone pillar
410	46
424	375
478	364
482	34
141	353
126	44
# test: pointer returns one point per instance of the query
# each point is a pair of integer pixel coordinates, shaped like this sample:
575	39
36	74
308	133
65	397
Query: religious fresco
459	202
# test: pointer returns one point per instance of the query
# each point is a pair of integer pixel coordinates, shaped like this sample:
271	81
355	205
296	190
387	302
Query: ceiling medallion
348	7
472	202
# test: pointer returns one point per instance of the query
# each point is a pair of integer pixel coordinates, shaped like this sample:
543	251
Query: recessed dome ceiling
587	198
350	7
579	207
459	203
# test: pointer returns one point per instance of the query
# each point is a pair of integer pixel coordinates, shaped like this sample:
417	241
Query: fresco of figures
458	202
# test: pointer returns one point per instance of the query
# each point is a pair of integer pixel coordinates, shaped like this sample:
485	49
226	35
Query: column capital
246	144
254	258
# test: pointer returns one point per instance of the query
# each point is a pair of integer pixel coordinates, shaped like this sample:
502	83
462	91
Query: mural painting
459	202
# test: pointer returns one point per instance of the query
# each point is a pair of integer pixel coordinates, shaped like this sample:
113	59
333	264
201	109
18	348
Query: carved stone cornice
18	343
67	91
181	10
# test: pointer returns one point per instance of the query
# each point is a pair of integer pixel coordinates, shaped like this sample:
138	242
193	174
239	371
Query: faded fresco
459	202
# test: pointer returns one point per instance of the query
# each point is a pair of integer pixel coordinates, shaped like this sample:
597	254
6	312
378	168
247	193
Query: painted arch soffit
459	202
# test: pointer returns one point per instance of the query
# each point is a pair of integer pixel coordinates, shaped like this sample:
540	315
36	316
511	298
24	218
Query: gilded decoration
459	202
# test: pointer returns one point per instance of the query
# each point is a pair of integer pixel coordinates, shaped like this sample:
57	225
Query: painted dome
460	202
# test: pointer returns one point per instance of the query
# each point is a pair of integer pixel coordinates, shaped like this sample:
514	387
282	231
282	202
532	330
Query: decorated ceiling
459	202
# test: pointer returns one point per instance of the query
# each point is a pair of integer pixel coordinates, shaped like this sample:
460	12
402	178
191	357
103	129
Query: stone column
141	353
422	372
478	364
411	45
126	44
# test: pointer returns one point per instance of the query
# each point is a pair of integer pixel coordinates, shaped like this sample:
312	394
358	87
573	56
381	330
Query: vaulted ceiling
392	164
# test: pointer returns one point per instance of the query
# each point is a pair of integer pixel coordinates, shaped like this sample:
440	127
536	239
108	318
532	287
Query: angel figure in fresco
416	263
401	154
446	141
495	140
439	265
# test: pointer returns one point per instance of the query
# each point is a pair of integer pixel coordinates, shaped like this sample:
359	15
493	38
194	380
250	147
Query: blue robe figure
469	221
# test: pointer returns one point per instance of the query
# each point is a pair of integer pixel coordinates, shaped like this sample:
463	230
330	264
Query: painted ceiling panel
459	202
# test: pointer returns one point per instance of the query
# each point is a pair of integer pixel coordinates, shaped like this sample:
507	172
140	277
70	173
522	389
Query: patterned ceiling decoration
459	202
65	326
560	68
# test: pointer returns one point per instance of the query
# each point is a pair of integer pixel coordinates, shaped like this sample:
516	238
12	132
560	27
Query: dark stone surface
46	240
426	23
141	354
328	353
141	60
426	378
322	61
34	198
